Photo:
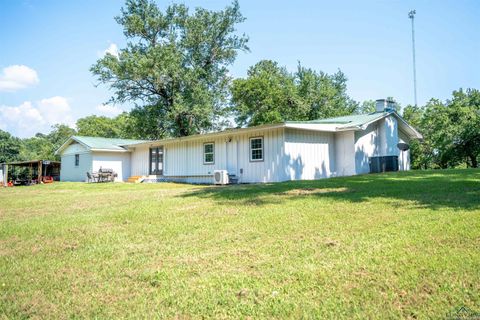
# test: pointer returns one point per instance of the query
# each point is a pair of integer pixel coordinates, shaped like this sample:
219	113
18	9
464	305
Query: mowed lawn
401	245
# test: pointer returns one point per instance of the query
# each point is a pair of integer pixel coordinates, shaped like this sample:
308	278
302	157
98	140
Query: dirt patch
311	191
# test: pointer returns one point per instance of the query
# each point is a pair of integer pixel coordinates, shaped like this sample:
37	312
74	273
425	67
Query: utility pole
411	15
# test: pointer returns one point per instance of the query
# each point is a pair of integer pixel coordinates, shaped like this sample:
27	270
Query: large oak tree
174	67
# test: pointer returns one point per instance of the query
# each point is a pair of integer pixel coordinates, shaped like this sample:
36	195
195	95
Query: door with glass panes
156	160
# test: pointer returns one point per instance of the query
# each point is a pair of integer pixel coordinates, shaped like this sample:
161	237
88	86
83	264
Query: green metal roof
356	120
105	143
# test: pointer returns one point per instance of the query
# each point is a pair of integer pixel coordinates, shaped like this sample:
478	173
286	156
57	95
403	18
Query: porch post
5	175
39	171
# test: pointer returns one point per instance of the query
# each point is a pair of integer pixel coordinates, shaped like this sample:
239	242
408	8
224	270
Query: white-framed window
209	153
77	160
256	149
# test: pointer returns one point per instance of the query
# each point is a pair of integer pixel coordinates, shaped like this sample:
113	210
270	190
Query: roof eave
208	135
108	150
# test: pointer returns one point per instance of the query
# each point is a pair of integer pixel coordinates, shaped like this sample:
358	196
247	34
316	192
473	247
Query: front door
156	161
232	156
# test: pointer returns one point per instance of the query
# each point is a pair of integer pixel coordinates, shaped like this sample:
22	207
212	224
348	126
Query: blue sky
47	48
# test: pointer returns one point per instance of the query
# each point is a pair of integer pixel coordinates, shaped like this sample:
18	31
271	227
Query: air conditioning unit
220	176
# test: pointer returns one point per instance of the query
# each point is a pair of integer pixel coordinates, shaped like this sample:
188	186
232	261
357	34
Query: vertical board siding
308	155
139	160
378	139
345	153
185	158
368	143
403	159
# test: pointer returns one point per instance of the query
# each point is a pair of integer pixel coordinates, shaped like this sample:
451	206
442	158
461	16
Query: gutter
109	150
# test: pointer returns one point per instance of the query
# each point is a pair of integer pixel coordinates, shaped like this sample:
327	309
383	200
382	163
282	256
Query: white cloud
29	118
109	110
17	77
55	110
112	49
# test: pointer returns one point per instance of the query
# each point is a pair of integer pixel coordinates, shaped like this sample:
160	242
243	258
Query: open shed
29	172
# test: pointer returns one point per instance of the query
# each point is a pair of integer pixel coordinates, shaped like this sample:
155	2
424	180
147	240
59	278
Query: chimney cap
386	100
383	105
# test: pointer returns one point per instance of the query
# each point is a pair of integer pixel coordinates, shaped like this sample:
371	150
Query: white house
88	154
269	153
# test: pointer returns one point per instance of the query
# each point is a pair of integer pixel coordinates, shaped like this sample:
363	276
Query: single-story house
80	155
293	150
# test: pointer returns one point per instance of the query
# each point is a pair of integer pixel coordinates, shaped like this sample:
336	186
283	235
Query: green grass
402	245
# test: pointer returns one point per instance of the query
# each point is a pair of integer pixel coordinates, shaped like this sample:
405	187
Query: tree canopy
451	130
175	65
100	126
271	94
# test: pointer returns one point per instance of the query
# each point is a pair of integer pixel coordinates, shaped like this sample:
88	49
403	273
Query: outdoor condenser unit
383	164
220	176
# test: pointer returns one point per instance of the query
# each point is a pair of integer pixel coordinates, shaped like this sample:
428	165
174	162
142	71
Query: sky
47	48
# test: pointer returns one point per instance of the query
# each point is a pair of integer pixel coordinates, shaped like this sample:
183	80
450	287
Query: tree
368	106
420	151
175	65
272	94
324	95
37	148
464	114
59	134
9	147
451	131
267	95
101	126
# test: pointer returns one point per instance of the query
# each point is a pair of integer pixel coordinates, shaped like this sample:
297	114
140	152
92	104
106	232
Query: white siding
271	168
70	172
378	139
184	159
367	144
139	161
388	134
345	153
74	148
308	155
404	157
119	162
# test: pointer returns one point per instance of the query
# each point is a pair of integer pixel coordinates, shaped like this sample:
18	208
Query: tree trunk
473	159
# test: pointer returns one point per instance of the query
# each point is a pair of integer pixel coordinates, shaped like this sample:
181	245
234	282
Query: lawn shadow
457	189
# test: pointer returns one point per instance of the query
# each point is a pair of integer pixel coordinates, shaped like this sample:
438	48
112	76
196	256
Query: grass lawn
401	245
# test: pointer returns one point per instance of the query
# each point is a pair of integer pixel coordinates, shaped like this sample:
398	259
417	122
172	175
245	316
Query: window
77	160
156	160
256	149
209	153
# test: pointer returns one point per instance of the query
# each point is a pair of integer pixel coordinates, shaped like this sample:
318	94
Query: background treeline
174	70
451	128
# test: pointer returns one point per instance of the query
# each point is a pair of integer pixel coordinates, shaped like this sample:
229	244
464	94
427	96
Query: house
80	155
293	150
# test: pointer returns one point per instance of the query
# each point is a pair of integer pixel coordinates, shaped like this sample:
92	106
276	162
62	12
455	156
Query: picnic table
103	175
